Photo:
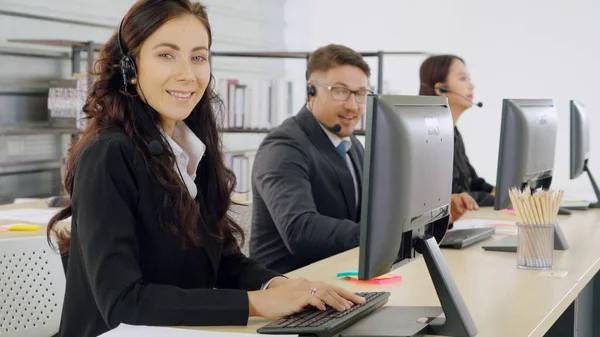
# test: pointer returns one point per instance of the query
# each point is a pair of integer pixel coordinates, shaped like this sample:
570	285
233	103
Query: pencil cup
535	246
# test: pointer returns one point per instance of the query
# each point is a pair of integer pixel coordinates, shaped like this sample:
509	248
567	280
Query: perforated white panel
32	287
242	214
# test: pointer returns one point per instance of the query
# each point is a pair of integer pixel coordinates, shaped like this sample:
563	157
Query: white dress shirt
188	150
336	140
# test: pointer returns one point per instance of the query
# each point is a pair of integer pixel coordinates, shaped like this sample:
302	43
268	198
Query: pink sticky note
385	279
509	211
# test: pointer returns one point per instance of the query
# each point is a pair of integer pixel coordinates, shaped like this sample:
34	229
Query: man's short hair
335	55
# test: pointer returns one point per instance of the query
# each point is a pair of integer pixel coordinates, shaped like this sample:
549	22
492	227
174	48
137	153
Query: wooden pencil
538	208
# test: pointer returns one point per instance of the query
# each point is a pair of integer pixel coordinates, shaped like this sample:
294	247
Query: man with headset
306	179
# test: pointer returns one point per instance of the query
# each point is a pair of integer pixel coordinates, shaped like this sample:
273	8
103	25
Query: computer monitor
580	146
527	147
407	186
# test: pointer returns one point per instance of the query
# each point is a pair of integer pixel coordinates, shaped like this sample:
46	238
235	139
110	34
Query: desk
41	204
503	300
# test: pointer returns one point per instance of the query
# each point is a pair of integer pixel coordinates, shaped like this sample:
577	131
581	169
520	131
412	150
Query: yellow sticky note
23	227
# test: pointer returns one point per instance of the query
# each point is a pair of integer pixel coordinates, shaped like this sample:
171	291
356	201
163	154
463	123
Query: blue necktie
342	150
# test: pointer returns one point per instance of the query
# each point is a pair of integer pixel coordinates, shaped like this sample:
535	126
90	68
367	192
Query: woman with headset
446	75
151	242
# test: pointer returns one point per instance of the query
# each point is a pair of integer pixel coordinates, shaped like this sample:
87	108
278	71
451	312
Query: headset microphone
447	90
333	129
155	148
129	73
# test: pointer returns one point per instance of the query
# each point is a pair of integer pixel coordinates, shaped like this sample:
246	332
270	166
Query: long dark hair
434	70
108	106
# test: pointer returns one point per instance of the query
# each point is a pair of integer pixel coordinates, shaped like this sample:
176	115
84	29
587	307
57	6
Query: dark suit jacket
124	268
465	179
304	207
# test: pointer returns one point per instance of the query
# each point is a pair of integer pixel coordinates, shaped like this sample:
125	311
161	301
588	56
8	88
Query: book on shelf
66	97
259	104
255	104
241	165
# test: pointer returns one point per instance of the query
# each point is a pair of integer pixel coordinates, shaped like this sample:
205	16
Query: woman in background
447	75
151	242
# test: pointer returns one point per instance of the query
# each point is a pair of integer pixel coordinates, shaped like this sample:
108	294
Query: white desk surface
503	300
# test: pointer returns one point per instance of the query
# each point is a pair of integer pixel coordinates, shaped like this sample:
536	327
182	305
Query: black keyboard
460	238
326	323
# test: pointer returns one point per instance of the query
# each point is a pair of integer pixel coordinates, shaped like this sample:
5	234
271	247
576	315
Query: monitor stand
594	186
564	211
57	201
452	319
545	185
509	243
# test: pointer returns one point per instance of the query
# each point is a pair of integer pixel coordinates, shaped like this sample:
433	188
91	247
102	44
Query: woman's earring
133	81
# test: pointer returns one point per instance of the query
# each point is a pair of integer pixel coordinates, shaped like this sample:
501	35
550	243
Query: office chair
242	214
32	288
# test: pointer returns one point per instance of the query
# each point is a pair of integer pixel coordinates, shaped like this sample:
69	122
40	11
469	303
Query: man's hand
493	192
461	203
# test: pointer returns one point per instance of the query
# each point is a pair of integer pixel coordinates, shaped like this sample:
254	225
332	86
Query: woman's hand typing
287	296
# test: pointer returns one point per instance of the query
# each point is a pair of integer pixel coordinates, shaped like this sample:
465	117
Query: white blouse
188	150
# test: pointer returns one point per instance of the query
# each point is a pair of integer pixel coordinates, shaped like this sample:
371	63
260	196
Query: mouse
56	201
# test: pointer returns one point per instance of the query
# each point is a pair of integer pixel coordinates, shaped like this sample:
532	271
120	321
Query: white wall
513	48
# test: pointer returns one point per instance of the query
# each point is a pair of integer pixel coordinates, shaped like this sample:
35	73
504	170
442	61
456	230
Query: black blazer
124	268
465	179
304	206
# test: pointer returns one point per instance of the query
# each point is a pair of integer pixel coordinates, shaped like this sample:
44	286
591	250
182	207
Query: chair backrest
32	288
242	214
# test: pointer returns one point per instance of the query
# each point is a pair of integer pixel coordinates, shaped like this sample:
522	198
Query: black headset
443	89
310	89
127	63
129	71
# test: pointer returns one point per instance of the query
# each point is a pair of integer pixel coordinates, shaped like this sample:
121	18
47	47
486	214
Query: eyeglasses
340	93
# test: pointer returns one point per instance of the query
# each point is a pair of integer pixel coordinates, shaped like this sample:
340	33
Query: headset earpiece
444	89
310	90
127	63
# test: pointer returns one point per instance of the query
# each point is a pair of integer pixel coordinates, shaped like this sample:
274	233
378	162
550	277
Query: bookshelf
77	49
304	55
252	106
380	55
89	48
